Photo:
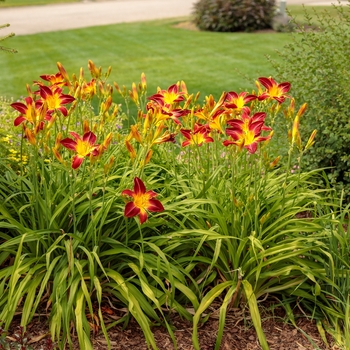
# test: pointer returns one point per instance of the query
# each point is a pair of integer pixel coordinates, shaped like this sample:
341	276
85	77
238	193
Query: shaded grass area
12	3
206	61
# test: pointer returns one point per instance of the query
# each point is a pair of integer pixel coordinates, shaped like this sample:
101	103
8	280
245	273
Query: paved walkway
87	13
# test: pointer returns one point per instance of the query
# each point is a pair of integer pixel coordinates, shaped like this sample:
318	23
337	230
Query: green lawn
12	3
298	12
209	62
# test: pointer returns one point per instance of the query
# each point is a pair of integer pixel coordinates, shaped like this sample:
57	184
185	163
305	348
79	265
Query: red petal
263	96
20	107
63	110
89	137
143	216
155	205
66	99
186	133
19	120
252	147
69	143
139	186
45	91
151	194
285	87
173	88
267	82
75	135
232	95
130	210
127	193
76	161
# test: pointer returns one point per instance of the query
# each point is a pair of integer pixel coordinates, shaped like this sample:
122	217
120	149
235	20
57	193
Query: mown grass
13	3
298	12
207	61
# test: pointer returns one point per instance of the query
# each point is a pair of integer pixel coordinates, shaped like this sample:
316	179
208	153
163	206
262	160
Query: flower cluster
47	108
173	111
62	106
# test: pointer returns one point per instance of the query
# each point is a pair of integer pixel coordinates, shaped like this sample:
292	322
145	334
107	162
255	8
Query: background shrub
316	64
233	15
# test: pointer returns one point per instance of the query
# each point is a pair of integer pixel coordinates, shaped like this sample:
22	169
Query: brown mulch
239	334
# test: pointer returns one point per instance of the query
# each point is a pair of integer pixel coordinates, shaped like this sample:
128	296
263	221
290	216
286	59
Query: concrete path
47	18
87	13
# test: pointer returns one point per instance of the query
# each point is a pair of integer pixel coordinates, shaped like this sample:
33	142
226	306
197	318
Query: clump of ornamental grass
184	206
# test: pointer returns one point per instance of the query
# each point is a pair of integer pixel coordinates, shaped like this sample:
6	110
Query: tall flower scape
152	203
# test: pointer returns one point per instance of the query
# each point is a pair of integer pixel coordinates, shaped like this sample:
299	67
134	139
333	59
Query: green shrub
234	15
316	64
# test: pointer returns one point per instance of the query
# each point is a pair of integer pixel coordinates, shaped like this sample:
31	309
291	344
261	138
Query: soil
239	334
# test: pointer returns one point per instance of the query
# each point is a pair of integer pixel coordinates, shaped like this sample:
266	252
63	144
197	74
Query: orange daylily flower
198	136
82	146
273	90
246	132
142	201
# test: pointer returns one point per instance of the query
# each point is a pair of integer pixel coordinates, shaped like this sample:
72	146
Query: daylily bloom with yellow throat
32	112
169	97
142	201
82	146
54	79
246	131
212	113
55	99
237	102
274	91
198	136
161	114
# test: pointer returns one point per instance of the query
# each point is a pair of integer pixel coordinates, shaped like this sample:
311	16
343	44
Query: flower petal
155	205
127	193
130	210
143	216
69	143
139	186
76	161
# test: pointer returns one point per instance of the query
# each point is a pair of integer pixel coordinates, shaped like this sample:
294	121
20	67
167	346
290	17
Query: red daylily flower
213	113
162	113
166	137
274	90
55	99
32	112
246	132
142	201
168	97
88	90
198	136
55	79
82	146
238	101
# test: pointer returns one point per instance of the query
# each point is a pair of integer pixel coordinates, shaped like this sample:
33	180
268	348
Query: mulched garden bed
239	334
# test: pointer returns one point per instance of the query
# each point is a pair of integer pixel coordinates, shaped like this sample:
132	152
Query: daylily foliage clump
170	205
